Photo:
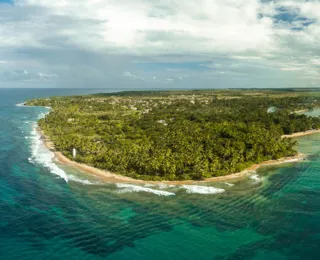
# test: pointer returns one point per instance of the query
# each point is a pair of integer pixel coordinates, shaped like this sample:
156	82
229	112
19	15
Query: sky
160	44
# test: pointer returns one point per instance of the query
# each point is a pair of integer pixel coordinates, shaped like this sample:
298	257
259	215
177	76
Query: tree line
175	136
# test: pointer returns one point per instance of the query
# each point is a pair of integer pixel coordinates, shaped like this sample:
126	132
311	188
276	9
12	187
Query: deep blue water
274	215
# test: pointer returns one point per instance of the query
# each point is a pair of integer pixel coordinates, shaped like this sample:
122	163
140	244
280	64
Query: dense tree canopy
177	135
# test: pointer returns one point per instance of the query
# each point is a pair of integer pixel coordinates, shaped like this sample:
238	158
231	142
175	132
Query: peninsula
178	135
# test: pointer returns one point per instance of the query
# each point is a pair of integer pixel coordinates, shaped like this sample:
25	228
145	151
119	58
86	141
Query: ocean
50	211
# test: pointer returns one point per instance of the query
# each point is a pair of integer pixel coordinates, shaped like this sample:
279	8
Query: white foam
124	188
43	156
42	115
149	185
40	154
202	189
20	105
84	182
255	178
166	186
229	184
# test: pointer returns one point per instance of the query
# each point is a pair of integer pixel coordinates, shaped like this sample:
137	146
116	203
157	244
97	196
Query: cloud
128	74
19	74
145	27
232	43
292	69
46	77
25	75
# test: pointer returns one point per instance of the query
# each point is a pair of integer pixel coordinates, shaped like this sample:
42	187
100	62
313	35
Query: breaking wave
43	156
149	185
124	188
20	104
82	181
255	178
165	186
202	189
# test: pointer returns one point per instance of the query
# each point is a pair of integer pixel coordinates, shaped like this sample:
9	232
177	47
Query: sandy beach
309	132
116	178
301	111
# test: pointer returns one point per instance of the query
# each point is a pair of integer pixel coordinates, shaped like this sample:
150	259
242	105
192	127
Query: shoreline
308	132
110	177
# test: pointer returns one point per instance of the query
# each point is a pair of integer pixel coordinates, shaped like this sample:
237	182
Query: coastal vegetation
177	135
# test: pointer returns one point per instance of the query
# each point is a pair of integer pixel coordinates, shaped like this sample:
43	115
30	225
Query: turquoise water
274	215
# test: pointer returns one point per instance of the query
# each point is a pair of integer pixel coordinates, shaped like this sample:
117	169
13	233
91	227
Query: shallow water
59	213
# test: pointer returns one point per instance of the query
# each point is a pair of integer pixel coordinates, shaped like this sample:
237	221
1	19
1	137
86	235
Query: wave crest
124	188
202	189
20	104
43	156
255	178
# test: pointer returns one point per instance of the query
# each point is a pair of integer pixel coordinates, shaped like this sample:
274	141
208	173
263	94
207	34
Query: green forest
178	135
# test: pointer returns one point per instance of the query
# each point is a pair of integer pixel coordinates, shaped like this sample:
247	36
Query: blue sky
153	44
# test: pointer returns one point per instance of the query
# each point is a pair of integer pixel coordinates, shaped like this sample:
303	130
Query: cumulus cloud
231	43
146	27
